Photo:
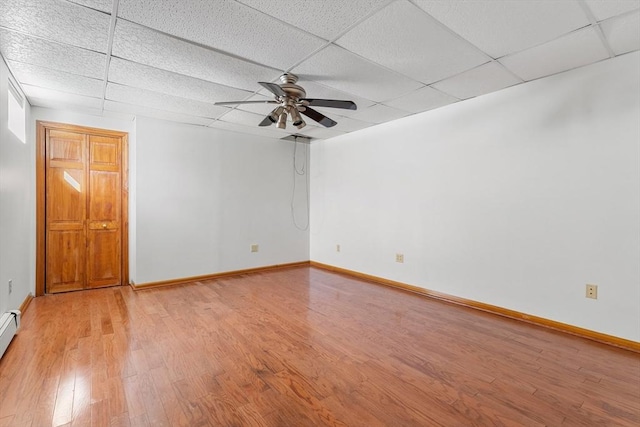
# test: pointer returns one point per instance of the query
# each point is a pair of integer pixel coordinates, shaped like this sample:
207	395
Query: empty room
319	212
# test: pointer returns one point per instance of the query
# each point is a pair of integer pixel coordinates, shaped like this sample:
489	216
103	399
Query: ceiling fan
292	100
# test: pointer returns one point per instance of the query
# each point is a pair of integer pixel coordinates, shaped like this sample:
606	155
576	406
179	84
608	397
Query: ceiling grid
112	28
173	59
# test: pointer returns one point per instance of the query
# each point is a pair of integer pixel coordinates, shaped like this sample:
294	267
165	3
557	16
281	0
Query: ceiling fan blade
318	117
273	88
266	121
244	102
332	103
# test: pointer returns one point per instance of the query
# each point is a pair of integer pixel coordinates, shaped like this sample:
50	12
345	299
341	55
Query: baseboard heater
9	324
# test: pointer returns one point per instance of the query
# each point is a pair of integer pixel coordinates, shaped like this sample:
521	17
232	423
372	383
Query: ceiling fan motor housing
288	84
293	95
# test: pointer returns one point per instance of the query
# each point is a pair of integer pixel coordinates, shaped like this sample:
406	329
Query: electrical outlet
400	258
592	291
254	248
337	248
10	285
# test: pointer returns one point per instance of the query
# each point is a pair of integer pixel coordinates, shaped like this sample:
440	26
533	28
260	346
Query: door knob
104	225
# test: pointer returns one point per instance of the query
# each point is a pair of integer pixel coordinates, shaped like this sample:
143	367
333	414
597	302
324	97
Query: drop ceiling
173	59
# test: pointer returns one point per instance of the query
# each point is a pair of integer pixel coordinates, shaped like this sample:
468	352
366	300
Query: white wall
205	195
17	208
517	198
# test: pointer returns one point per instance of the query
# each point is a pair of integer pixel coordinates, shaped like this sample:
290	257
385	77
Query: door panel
66	201
104	203
66	260
66	147
105	152
104	212
104	261
66	211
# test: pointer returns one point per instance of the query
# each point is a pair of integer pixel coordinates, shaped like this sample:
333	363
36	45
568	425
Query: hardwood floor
301	347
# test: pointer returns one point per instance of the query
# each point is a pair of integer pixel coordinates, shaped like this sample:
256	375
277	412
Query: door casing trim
41	128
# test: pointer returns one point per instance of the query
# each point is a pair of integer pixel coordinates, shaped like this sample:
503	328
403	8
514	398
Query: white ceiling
172	59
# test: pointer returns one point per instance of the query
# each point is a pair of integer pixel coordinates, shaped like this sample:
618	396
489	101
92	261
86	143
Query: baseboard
570	329
25	303
181	281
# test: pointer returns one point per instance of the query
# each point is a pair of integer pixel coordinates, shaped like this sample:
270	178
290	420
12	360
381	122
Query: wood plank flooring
301	347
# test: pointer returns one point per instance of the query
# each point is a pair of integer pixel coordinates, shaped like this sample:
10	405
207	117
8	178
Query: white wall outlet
400	258
10	285
592	291
254	248
337	248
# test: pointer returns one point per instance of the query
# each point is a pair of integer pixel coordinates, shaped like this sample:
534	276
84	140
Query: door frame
41	129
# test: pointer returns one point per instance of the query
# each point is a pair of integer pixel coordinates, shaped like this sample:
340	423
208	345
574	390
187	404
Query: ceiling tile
405	39
242	118
57	80
263	109
139	110
270	132
380	113
56	20
160	101
420	100
574	50
326	19
623	32
102	5
500	27
62	105
603	9
139	44
32	50
342	70
483	79
150	78
58	98
346	124
225	25
321	132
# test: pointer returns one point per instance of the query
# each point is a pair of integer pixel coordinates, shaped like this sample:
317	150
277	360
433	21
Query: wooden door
83	211
103	219
66	211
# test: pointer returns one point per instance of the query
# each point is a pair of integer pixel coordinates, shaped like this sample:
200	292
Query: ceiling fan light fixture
282	120
296	119
275	114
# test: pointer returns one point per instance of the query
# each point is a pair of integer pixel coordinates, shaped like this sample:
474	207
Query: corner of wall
17	206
